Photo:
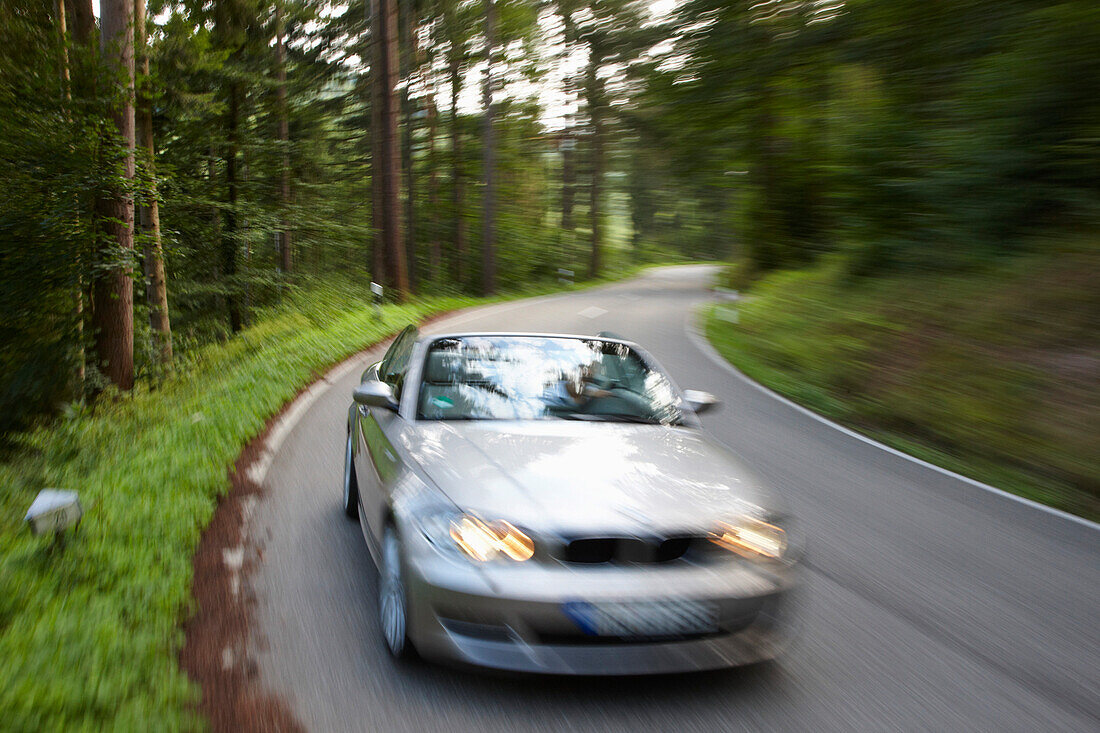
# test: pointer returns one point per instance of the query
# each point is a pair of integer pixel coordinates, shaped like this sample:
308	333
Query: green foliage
991	372
89	633
49	171
915	136
738	275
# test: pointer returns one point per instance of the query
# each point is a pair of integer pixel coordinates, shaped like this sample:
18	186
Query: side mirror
374	393
700	401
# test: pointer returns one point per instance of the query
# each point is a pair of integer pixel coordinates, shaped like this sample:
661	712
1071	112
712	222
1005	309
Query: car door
376	425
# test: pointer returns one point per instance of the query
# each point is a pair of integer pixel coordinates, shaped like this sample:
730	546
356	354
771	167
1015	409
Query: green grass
992	373
89	634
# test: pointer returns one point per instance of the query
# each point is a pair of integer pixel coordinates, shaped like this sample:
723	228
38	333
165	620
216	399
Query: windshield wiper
610	417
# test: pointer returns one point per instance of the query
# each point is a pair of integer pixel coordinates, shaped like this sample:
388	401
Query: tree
455	58
568	139
283	135
60	13
594	96
435	254
607	29
156	279
385	167
410	61
230	34
488	202
112	287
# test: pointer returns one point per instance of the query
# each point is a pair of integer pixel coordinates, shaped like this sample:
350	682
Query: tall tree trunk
377	153
85	83
568	180
83	21
568	150
389	164
488	214
456	173
245	228
410	60
63	39
78	304
113	290
283	134
595	113
213	190
229	229
434	253
569	142
767	242
595	191
156	281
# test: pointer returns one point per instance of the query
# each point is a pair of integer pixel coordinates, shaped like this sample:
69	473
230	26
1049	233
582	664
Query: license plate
643	618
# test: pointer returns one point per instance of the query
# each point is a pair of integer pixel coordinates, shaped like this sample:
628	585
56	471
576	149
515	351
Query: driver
575	391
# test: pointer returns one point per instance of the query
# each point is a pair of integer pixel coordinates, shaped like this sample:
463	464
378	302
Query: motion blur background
924	176
195	197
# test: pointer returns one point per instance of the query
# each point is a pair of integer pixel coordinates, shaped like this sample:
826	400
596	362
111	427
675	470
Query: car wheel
351	485
392	602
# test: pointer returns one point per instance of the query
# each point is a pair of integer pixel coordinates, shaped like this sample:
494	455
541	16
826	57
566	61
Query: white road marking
700	341
258	470
233	558
592	312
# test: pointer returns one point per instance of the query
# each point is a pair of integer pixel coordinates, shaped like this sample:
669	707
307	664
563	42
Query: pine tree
156	279
112	287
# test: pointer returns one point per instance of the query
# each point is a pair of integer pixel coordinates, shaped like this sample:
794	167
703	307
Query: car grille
579	639
592	550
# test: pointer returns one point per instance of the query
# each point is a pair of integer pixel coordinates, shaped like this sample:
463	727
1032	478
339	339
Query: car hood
579	477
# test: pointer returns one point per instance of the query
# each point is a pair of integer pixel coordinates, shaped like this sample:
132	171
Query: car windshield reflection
542	378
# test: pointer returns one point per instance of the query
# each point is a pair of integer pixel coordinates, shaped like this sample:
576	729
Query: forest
170	169
196	196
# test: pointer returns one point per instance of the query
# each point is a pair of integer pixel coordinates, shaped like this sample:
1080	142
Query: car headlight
484	541
750	537
476	538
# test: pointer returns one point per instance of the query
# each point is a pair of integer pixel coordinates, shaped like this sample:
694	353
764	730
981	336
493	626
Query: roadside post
377	290
728	311
565	277
54	510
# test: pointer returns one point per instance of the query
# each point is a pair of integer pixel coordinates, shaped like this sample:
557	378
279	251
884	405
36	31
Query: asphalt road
929	603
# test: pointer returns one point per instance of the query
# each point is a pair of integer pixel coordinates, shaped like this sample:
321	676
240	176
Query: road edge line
702	343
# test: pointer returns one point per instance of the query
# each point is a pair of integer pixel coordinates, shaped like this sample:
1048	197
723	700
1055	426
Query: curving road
930	603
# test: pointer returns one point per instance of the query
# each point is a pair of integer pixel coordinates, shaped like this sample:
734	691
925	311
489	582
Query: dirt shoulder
218	652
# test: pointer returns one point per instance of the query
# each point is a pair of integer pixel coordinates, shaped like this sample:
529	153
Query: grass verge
991	373
90	632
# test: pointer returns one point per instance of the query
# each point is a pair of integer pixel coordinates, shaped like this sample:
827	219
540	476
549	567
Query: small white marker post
728	311
377	290
54	510
565	277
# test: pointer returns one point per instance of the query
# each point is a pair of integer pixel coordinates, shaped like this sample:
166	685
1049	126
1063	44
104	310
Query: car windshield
542	378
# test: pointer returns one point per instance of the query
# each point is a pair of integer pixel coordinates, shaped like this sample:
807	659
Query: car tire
351	484
393	610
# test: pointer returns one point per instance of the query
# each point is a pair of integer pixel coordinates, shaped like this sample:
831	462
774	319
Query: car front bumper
513	616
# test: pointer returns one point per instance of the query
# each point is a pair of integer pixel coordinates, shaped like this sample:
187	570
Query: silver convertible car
551	503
